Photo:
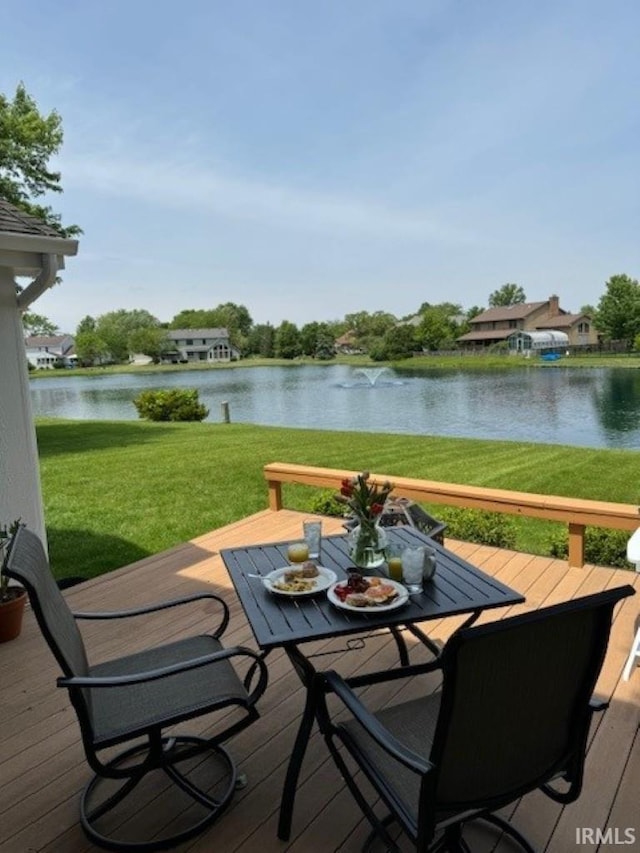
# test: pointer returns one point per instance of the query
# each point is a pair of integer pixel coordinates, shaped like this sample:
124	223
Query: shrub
176	404
602	547
325	503
473	525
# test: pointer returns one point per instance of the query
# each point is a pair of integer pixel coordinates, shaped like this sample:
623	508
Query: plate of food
367	594
305	579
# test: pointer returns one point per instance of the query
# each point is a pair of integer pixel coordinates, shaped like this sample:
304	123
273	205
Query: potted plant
12	597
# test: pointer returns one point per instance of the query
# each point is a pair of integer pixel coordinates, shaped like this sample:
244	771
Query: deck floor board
42	765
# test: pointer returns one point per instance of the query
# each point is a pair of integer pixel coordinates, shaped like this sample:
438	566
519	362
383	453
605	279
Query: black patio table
279	621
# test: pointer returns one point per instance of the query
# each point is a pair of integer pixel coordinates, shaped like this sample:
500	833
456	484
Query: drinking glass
312	536
429	564
298	552
394	560
412	568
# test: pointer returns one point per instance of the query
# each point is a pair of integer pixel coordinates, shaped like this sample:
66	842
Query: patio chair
130	802
512	715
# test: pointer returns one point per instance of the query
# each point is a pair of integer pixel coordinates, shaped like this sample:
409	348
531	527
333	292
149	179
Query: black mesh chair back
515	702
512	716
28	564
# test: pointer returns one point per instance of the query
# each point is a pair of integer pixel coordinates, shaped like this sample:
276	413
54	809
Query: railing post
275	495
576	545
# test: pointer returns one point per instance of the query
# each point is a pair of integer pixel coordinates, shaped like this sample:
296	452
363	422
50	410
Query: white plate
323	581
398	601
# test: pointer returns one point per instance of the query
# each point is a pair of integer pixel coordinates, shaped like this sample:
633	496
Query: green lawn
117	491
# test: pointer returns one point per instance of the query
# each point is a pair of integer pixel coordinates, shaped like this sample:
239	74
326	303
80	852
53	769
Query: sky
313	159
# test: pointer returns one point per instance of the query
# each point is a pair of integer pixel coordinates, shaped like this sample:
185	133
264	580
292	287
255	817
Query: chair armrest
162	605
163	672
332	682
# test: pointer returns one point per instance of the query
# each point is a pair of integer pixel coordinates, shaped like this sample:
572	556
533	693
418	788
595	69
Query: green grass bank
117	491
426	361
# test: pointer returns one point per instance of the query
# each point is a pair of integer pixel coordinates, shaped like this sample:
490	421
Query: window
189	342
583	328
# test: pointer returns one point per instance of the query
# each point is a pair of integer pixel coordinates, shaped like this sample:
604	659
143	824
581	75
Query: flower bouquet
365	500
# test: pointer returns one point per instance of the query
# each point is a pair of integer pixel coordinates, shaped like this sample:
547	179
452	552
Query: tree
261	340
38	324
150	340
325	343
235	318
508	294
397	343
370	328
309	338
618	314
87	324
437	330
365	324
27	142
287	340
90	348
116	327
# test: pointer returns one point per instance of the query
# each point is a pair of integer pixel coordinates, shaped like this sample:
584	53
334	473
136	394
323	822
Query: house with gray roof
207	345
45	352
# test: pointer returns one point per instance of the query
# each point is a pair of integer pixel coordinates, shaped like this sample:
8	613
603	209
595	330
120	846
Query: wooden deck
42	766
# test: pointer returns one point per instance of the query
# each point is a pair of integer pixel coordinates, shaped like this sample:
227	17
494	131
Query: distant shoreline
421	362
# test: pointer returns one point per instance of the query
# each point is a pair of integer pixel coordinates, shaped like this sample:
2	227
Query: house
140	359
209	345
347	344
47	351
495	325
579	328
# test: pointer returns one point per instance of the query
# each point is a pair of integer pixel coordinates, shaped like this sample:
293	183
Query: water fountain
372	373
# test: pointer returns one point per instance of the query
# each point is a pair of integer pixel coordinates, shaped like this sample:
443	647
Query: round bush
175	404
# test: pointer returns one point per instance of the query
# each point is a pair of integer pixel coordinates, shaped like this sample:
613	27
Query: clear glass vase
367	543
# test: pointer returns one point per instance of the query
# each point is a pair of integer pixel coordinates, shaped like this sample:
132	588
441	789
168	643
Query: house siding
210	346
496	324
44	353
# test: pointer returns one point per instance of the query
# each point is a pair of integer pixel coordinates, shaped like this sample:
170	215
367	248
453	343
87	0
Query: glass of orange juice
394	560
298	552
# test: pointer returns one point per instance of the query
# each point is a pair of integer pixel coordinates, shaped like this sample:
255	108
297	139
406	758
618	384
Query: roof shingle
18	222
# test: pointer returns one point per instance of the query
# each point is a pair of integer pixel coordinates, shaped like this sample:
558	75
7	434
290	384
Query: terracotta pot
11	616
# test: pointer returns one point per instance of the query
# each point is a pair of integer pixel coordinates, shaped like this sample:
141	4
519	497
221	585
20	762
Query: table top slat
458	587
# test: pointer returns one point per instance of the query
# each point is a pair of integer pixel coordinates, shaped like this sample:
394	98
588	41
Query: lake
594	407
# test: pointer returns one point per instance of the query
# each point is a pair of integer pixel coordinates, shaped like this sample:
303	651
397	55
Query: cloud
172	185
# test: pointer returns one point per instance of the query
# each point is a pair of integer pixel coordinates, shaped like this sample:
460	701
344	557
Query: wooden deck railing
576	513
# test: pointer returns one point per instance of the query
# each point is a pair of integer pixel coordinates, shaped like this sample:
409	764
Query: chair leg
378	833
98	807
508	829
451	841
634	655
